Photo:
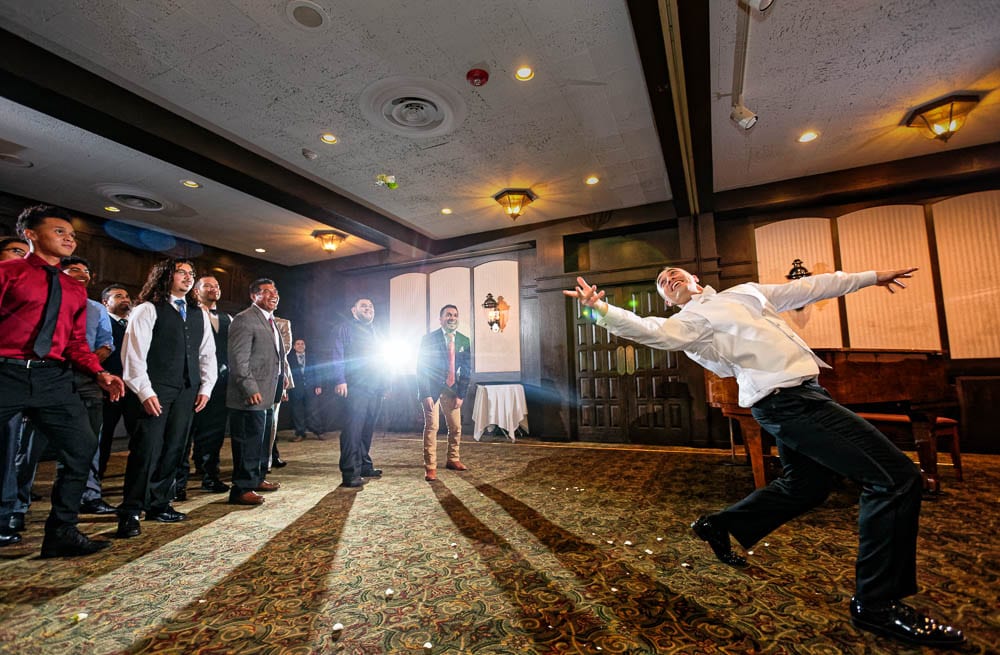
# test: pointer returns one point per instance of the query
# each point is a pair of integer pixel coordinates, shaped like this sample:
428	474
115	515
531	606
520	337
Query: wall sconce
514	201
497	312
330	240
942	118
798	271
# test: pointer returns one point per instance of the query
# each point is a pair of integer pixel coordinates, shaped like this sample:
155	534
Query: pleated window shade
407	319
808	239
967	230
883	238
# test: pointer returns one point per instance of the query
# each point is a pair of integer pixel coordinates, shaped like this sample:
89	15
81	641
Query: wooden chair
944	428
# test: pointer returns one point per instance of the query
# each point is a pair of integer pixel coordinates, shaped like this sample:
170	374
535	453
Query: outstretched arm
888	278
589	296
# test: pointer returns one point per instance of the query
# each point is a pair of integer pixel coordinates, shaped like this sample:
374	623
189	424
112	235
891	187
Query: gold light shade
330	240
514	201
942	118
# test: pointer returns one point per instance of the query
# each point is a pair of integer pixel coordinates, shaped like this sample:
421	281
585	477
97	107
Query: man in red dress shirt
43	332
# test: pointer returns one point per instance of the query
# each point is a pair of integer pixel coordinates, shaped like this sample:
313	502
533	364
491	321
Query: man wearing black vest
256	382
169	362
208	428
117	301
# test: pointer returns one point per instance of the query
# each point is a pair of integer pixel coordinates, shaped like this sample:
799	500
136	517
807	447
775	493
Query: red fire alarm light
477	77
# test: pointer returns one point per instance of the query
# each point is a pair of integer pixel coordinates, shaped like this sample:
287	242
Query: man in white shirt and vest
738	333
168	357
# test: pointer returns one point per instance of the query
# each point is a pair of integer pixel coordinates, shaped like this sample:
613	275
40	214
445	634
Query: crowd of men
179	375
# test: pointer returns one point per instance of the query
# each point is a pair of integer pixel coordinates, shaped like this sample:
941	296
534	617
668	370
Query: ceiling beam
695	31
649	39
33	77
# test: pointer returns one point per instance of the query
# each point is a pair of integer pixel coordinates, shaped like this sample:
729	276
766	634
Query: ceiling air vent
413	107
141	203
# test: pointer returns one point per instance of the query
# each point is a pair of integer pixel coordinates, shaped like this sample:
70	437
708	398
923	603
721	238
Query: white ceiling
241	68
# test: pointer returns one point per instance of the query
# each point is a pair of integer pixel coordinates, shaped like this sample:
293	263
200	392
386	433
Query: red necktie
451	360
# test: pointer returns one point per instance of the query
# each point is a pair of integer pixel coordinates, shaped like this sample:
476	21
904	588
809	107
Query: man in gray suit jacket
255	383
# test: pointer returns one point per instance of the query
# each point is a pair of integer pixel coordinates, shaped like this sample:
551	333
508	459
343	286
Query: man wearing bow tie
169	362
444	369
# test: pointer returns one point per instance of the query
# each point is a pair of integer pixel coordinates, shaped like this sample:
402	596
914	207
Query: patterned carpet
539	549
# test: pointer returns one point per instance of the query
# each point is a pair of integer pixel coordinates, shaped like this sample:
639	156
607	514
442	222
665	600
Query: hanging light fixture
942	118
514	201
330	240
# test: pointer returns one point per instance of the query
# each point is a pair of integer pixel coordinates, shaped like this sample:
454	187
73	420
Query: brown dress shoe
268	486
431	475
246	498
456	465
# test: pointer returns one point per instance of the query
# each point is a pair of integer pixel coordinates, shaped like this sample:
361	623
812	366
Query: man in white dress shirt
169	362
738	333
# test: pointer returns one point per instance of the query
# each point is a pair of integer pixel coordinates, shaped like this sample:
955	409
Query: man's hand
112	384
199	402
318	391
428	403
458	402
152	406
589	296
340	390
284	396
254	399
888	278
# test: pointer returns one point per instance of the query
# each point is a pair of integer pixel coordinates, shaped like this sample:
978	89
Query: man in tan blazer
256	368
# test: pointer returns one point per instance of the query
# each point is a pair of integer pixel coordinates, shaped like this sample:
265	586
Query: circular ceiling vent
413	106
307	15
135	198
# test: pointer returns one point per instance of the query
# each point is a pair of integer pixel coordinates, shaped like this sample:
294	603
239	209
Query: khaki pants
448	402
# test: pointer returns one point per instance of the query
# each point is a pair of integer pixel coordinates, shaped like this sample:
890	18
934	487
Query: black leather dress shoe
353	483
718	539
16	523
128	526
372	473
278	463
214	485
67	541
96	507
166	515
9	539
897	620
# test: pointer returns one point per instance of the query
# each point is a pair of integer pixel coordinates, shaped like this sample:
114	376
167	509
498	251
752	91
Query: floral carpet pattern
539	549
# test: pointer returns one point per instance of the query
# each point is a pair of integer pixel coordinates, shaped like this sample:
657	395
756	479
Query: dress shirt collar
267	315
174	299
706	294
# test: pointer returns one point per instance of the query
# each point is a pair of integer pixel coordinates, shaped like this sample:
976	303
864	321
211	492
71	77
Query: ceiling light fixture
806	137
191	184
328	138
592	180
260	250
112	209
330	240
524	73
942	118
446	210
514	201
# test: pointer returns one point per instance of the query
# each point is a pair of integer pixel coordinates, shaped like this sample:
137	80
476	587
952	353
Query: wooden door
627	392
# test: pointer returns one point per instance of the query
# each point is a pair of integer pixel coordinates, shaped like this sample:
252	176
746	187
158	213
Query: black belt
30	363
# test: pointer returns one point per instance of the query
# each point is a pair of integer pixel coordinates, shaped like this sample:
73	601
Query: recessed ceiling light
191	184
112	209
446	210
808	136
328	138
524	73
593	179
259	250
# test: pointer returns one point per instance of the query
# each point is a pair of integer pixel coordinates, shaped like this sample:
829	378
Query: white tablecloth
502	405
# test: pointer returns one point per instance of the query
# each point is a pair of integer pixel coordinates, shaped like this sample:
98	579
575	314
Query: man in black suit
359	378
208	428
117	301
303	392
444	369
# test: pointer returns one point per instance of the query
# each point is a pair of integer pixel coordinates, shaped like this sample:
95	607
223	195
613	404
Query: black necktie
43	342
123	322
